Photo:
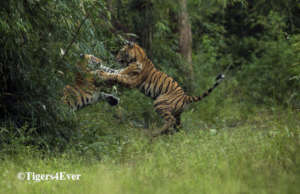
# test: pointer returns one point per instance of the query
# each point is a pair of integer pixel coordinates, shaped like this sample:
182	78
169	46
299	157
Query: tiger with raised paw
85	91
139	72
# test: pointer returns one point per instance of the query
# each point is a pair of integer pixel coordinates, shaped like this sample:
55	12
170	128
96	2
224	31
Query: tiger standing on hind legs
139	72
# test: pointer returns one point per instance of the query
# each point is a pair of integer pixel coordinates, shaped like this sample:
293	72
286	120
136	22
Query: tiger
85	91
139	72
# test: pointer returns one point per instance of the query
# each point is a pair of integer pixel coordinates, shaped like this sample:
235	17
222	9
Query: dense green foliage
247	126
38	39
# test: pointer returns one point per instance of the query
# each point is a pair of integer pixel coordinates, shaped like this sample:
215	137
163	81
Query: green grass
260	155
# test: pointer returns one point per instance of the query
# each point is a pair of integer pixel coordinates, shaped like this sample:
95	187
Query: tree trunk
146	27
110	5
185	41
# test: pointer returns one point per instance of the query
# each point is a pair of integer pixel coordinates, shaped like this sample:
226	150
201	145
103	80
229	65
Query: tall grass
260	156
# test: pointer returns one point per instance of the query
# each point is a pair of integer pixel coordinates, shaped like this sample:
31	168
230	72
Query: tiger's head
130	53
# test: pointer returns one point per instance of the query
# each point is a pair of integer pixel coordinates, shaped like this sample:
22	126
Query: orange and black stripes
84	92
139	72
77	97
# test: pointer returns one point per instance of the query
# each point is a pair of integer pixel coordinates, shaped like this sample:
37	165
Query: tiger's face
130	53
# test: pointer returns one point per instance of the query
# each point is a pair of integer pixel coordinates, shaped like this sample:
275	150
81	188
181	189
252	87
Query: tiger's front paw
100	74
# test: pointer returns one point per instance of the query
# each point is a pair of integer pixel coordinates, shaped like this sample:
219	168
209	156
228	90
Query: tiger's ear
130	44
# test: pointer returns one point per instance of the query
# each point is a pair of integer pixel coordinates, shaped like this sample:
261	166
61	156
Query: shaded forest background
188	39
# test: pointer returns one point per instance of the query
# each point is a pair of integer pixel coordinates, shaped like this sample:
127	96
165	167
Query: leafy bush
271	69
38	38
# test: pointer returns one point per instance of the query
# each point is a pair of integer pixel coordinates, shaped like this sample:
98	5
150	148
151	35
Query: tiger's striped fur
139	72
84	92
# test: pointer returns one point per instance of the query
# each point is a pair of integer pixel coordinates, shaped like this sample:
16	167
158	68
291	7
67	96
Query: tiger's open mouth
126	62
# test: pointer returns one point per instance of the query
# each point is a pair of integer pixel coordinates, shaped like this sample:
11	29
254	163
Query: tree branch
75	35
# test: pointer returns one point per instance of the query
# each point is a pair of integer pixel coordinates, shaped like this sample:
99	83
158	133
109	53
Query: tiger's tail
219	79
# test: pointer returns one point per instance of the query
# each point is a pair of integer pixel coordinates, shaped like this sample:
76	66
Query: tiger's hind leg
177	125
162	107
169	120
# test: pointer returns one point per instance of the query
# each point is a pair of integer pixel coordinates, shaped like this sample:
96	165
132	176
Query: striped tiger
84	91
139	72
